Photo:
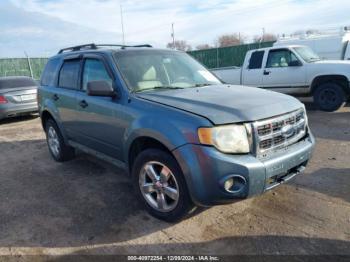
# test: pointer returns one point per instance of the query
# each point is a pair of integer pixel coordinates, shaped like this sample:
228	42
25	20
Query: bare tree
312	31
298	33
180	45
203	46
230	40
267	37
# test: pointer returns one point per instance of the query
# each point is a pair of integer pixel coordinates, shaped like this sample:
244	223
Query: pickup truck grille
279	132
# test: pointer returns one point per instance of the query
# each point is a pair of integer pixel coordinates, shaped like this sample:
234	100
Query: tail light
3	100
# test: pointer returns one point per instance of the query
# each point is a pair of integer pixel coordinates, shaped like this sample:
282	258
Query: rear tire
57	147
329	97
161	186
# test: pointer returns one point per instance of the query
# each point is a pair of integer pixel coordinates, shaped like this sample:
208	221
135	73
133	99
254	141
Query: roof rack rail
94	46
78	47
145	45
124	46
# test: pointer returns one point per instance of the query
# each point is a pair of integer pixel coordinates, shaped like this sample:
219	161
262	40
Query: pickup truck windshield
307	54
156	70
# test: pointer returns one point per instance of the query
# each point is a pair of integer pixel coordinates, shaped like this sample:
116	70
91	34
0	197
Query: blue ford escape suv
185	138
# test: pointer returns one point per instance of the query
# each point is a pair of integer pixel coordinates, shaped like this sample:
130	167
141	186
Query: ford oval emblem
287	131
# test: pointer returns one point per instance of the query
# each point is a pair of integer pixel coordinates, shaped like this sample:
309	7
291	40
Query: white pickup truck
294	70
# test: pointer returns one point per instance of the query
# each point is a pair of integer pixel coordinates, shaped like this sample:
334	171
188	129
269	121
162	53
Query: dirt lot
88	206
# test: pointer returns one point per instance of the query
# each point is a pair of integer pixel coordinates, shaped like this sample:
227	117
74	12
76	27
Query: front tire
161	186
57	147
329	97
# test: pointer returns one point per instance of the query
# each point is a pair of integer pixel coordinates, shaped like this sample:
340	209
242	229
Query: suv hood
223	104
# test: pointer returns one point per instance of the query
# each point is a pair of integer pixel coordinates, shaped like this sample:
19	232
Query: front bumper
12	110
205	169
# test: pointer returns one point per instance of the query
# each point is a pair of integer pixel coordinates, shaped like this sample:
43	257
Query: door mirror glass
295	63
100	88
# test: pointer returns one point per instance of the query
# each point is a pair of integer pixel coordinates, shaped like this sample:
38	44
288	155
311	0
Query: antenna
122	22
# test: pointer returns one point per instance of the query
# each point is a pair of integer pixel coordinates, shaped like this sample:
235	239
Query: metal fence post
30	66
217	57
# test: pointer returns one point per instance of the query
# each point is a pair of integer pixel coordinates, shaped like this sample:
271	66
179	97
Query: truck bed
230	75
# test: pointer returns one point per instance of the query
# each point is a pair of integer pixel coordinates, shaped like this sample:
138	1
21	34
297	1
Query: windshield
307	54
153	69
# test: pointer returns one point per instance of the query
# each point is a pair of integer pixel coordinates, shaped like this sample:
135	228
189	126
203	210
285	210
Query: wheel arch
45	115
142	143
339	79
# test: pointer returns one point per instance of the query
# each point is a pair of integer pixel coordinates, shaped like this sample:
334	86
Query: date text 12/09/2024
174	258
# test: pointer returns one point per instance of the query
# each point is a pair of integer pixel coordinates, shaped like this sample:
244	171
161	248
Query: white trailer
331	45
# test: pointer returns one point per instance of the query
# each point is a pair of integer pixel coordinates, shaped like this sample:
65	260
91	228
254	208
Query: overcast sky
41	27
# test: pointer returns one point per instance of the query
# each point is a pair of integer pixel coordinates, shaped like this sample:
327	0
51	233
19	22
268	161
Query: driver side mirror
295	63
100	88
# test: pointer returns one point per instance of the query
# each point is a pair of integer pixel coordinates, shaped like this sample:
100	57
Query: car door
100	126
284	72
253	73
64	93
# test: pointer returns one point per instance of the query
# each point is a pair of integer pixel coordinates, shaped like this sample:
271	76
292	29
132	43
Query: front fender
171	134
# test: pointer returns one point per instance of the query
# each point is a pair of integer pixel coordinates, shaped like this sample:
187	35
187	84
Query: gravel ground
87	206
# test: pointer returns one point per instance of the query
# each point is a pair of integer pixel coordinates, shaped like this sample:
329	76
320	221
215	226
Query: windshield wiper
158	87
314	59
200	85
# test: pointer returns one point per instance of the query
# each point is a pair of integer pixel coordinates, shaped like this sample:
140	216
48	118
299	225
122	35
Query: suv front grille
279	132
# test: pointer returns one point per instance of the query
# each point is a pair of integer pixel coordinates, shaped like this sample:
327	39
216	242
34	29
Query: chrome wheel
158	186
53	141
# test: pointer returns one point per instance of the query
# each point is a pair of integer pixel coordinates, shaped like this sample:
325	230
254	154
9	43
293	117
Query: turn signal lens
204	134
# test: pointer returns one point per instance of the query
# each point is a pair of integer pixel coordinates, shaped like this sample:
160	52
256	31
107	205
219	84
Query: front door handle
266	72
55	97
83	104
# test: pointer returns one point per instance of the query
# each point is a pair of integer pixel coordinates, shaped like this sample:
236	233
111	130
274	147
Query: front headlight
227	139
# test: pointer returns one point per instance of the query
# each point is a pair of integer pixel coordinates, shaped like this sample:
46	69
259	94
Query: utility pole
122	22
263	34
173	34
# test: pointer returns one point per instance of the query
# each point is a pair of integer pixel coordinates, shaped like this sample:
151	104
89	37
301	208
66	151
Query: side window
95	70
256	59
69	74
280	58
50	72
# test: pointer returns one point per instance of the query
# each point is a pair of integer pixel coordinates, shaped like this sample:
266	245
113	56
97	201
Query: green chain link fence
226	56
20	66
212	58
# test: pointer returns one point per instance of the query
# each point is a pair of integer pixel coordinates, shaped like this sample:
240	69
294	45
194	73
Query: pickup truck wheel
57	147
329	97
161	186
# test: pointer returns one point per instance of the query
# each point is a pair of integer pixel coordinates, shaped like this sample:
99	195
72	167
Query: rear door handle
83	104
266	72
55	97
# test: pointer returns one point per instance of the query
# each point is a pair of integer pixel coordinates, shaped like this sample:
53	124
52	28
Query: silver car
17	96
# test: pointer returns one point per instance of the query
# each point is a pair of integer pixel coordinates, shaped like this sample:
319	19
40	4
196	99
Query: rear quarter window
69	74
256	59
50	72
